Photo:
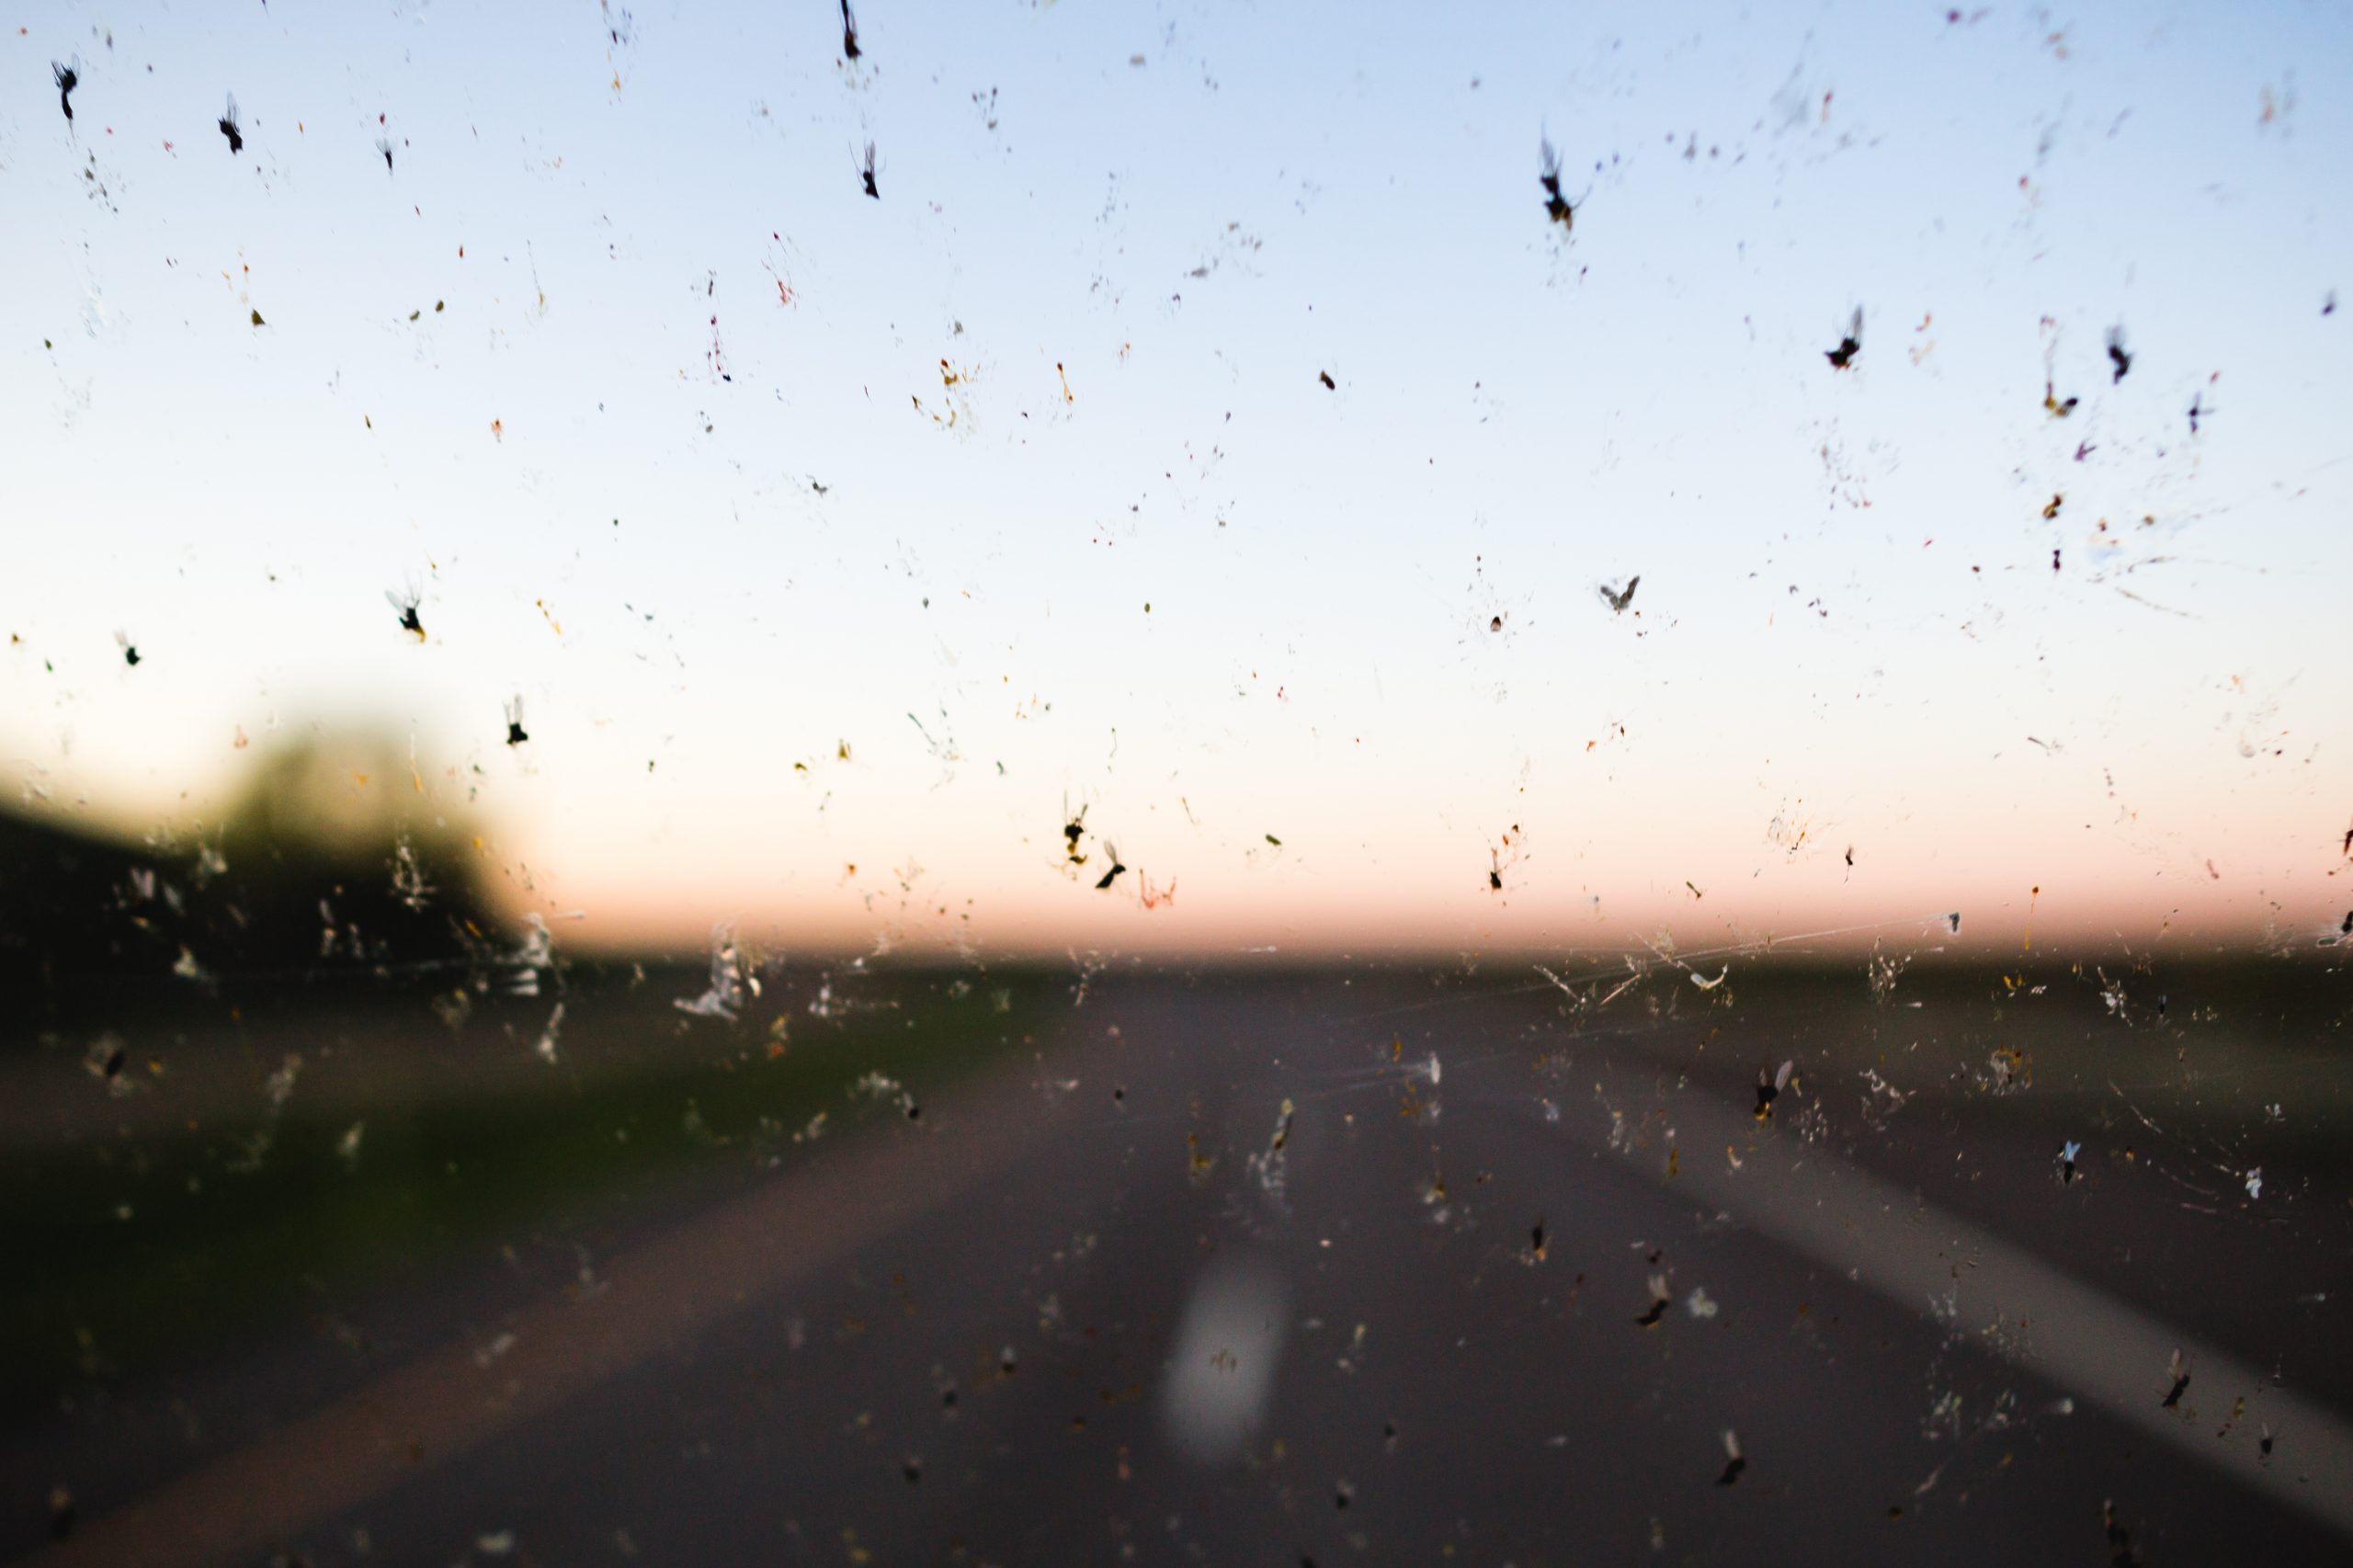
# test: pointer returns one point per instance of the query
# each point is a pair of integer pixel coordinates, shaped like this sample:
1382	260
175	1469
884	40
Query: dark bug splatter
1843	356
1734	1460
1112	875
1329	384
1557	206
1769	1084
2055	406
228	123
849	33
516	733
384	145
129	651
2196	410
2178	1370
2120	359
406	602
67	80
867	174
1618	598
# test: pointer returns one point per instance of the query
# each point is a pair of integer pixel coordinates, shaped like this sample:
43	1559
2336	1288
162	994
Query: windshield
1029	782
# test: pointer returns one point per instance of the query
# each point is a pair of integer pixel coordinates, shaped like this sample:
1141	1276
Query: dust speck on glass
1025	783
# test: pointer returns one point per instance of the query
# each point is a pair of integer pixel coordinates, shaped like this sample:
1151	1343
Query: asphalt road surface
1362	1266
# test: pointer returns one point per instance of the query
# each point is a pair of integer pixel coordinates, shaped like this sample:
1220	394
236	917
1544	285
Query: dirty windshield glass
1024	783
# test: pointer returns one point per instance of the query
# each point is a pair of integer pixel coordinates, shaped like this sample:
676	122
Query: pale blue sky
1271	194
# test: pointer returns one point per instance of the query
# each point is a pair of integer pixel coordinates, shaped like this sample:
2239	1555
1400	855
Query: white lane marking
2080	1338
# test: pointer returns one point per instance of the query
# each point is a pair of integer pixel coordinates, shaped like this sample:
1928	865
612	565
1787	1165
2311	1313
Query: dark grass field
183	1212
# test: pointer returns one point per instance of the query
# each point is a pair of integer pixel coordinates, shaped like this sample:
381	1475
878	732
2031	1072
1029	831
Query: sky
842	549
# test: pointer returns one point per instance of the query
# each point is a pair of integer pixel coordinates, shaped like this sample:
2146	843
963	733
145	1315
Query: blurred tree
336	857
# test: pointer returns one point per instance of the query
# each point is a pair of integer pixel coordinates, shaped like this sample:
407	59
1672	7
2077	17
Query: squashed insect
1557	206
1843	356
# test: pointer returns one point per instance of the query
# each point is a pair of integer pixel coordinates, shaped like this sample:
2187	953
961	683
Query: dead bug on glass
1557	206
1843	356
1734	1461
406	601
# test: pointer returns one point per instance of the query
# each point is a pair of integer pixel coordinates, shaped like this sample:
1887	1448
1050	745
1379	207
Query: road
1111	1300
